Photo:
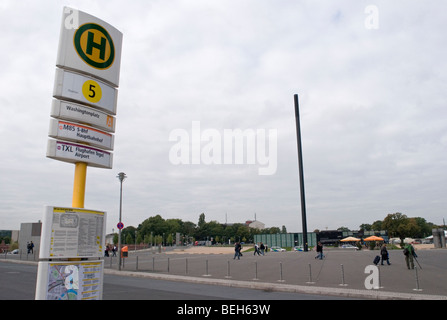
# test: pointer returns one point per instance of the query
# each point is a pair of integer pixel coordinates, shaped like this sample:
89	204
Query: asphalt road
18	282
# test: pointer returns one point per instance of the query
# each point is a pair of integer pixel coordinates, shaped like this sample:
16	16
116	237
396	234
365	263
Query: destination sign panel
65	130
76	87
76	112
72	152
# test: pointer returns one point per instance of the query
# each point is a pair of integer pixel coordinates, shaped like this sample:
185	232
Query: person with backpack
409	254
262	248
256	250
237	251
319	251
384	254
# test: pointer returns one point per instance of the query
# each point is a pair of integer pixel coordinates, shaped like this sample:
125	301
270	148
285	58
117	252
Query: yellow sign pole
79	189
79	185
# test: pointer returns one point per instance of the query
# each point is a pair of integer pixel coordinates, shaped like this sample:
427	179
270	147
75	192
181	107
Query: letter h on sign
92	44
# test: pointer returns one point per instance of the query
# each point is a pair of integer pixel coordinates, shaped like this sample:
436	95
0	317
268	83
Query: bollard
168	265
186	266
153	263
378	280
136	264
256	271
417	280
310	275
342	277
228	270
207	274
280	272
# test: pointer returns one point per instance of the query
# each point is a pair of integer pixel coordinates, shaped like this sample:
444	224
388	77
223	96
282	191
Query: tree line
398	225
156	230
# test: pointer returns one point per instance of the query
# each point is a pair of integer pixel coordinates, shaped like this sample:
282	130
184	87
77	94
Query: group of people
409	253
30	247
108	249
259	250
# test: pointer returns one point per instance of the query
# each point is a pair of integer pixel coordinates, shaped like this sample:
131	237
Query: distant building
30	232
255	224
286	239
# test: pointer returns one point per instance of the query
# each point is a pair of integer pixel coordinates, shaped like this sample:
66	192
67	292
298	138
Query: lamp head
121	176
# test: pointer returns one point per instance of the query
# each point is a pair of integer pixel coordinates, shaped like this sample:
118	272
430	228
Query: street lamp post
121	176
301	174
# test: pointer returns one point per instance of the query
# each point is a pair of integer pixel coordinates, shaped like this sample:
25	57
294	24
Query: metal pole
280	272
301	173
228	269
121	176
310	275
342	276
256	271
417	280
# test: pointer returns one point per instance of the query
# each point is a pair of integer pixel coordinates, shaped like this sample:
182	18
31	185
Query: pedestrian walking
384	254
319	251
237	251
256	250
409	255
262	248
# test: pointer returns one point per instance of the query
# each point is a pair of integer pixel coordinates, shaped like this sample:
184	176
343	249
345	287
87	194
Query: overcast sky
372	89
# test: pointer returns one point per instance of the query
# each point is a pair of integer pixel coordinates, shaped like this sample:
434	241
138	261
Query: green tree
409	228
394	223
377	225
129	239
201	222
155	225
365	227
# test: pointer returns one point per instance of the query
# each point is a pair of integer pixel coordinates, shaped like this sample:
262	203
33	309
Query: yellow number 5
92	91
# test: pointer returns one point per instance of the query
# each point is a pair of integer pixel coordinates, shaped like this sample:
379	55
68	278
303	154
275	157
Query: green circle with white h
94	46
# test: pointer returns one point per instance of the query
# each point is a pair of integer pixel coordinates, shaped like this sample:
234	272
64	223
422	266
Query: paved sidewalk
341	273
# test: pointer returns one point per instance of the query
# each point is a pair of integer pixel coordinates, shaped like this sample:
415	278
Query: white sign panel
89	45
72	152
74	86
65	130
72	233
74	280
83	114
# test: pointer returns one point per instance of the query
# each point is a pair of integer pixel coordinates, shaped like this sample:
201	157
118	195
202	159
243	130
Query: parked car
298	248
349	246
15	251
277	249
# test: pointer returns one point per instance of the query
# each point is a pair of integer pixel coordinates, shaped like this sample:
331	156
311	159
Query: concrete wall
30	232
438	238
